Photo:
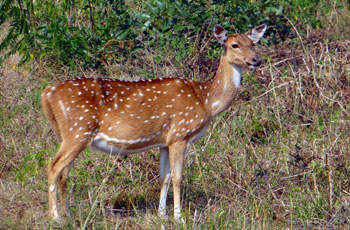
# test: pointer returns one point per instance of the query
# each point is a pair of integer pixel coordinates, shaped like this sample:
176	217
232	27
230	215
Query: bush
92	33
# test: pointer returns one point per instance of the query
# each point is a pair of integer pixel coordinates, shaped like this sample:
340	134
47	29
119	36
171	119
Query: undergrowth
277	159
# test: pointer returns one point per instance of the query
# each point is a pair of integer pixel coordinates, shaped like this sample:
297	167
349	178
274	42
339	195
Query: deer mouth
254	66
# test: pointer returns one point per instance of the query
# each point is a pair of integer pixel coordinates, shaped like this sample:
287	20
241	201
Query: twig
98	190
244	190
286	59
296	175
194	220
91	17
296	31
269	184
272	89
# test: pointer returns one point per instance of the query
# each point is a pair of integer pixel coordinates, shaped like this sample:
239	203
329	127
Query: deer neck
223	87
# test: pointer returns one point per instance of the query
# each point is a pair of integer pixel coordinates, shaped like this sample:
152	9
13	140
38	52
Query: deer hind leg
62	183
49	114
58	170
176	158
165	176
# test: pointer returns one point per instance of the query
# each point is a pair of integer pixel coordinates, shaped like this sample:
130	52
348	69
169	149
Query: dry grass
278	159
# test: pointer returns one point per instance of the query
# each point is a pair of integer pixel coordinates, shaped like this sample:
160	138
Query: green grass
277	159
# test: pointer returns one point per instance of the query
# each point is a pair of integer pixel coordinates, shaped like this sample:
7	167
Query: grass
277	159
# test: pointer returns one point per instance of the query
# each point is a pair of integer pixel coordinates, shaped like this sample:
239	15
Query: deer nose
256	61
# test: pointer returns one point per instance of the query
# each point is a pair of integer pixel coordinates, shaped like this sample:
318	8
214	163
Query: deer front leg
176	157
165	176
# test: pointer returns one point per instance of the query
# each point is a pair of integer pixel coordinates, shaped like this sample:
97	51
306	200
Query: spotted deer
122	117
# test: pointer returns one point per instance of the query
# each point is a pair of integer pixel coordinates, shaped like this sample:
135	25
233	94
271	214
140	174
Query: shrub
92	33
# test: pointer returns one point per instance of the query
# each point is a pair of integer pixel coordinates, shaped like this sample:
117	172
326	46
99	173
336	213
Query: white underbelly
199	134
101	144
101	141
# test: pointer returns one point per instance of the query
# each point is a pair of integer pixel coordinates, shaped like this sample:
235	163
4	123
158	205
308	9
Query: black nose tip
256	61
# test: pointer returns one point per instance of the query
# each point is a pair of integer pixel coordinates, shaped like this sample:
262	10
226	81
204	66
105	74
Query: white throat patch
237	75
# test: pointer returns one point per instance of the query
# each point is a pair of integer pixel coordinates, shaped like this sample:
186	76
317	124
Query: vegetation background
277	159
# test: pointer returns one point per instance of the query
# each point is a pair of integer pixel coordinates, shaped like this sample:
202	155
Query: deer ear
220	33
257	33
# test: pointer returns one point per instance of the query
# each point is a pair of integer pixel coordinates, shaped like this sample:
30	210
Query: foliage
94	33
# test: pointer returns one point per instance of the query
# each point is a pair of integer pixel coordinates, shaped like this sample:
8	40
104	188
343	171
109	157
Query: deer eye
235	46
